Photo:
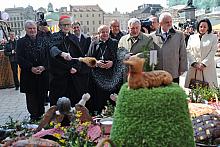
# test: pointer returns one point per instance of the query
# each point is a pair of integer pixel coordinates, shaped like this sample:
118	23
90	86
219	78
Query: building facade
17	18
123	19
89	16
145	10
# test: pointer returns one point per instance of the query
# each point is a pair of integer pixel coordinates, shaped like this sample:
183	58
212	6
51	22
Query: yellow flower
51	123
62	140
57	135
57	125
78	114
77	120
86	124
65	130
81	133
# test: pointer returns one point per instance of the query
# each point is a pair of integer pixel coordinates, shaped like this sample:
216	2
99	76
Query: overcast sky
106	5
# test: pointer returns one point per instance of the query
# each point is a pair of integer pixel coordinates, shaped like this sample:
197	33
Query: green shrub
156	117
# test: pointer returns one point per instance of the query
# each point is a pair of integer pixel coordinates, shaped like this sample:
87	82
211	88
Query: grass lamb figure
139	79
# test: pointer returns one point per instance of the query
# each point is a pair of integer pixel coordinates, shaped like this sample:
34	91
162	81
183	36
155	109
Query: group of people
49	62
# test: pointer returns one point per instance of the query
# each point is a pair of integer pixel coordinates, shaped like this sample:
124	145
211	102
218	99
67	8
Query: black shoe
17	88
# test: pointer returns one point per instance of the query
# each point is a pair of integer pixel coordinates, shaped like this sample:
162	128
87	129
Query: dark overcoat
32	53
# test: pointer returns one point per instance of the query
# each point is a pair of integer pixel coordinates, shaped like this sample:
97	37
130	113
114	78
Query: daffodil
86	124
57	135
62	140
51	123
78	114
57	125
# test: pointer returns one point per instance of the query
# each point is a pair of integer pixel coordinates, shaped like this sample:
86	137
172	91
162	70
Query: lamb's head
135	63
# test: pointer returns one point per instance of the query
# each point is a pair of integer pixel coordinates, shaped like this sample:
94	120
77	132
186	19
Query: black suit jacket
84	43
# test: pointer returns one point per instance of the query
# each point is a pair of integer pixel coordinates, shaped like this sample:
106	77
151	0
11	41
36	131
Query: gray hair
133	21
164	15
29	22
102	27
64	105
114	20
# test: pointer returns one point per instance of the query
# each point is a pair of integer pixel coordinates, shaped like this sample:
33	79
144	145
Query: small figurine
64	114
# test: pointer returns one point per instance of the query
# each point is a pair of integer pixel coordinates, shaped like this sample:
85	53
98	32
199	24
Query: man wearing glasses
68	76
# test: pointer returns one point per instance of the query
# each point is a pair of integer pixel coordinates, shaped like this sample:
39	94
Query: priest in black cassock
68	76
105	78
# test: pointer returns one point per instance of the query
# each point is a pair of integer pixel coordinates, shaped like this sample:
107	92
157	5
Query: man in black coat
68	76
32	59
84	40
10	50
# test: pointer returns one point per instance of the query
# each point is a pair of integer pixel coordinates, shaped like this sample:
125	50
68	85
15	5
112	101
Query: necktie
165	35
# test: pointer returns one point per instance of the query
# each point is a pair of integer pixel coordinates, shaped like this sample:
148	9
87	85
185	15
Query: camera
146	23
40	19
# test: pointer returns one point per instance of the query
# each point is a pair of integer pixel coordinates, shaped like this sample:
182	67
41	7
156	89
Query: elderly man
136	41
170	45
105	80
32	59
84	40
115	32
69	77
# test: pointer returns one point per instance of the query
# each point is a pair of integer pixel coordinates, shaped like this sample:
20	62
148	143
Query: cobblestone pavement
13	104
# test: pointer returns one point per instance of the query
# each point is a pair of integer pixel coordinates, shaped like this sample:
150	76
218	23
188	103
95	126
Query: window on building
12	25
87	15
87	22
81	22
14	18
80	15
99	15
100	22
74	15
93	29
93	15
17	18
93	22
19	25
88	29
15	25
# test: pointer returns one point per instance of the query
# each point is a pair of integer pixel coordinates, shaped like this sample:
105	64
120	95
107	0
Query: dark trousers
35	104
14	68
176	80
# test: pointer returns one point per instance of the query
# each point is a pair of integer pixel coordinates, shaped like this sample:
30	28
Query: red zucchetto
64	17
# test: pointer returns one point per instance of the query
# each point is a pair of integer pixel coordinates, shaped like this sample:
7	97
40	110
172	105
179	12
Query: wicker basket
6	76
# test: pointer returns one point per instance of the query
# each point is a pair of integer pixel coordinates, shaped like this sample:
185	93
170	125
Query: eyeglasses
65	25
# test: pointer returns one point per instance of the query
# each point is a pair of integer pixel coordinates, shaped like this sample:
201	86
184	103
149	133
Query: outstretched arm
47	118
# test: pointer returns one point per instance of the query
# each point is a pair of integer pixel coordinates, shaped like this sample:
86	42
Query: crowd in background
49	62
